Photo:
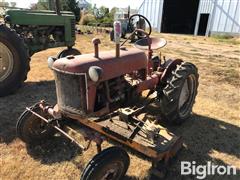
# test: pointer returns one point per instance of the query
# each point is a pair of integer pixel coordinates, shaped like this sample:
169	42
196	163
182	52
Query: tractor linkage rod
57	128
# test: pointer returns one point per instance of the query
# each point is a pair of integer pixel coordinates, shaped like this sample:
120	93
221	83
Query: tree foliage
71	5
100	16
40	5
92	15
66	5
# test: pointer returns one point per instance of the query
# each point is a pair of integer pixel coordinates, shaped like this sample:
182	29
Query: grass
227	39
211	134
223	36
230	76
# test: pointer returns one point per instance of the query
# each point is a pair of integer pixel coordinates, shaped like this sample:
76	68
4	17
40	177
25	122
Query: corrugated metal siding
152	9
205	6
224	14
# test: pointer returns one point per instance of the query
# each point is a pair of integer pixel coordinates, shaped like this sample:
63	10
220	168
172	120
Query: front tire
14	61
178	95
110	164
67	52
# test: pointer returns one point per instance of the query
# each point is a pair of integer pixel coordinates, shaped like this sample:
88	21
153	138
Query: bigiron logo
202	171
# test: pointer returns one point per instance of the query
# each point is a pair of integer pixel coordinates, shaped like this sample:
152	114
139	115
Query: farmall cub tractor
99	95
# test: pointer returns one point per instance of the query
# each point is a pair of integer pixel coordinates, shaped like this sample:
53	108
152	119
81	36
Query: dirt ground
211	134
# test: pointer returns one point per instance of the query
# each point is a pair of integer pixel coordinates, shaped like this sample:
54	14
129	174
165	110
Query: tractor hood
130	60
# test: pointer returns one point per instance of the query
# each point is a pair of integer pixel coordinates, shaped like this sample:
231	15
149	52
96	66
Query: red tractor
100	96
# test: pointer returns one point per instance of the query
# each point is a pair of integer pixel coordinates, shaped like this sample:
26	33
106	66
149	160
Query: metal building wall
205	6
152	9
224	15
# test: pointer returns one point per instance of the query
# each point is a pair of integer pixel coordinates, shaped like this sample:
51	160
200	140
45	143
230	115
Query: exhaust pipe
58	7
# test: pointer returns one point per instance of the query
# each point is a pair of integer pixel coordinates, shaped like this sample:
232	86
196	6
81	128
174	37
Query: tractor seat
157	43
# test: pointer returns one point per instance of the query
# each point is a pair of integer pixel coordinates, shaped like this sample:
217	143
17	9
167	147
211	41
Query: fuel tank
130	60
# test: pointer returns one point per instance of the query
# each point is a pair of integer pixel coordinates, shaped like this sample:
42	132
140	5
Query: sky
23	3
108	3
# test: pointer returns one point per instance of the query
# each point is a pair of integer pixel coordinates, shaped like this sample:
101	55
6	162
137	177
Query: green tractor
25	32
131	22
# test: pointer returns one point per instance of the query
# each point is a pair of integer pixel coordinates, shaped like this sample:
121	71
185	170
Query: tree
40	5
4	4
33	6
13	4
102	12
66	5
112	13
71	5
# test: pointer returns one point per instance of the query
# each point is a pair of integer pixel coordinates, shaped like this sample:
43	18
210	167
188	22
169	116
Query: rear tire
110	164
14	61
178	95
67	52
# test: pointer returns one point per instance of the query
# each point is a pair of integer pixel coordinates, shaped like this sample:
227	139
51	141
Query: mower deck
164	145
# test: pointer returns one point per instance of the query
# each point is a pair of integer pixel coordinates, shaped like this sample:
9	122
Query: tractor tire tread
23	52
170	93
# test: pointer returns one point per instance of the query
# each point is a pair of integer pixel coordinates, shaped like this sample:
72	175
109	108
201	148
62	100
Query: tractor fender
169	66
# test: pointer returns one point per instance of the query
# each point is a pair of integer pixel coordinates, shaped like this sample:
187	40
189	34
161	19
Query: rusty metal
165	152
117	50
99	148
150	83
156	43
130	60
57	128
53	111
96	41
116	136
106	107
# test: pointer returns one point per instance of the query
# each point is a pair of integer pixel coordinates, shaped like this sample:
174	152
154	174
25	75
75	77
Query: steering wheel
137	31
138	21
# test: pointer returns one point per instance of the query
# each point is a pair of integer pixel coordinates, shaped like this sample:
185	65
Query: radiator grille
73	27
71	92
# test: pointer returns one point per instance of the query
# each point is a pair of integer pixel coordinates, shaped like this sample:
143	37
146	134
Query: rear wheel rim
6	62
187	95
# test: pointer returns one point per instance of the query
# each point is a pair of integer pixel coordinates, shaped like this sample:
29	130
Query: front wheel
178	95
110	164
67	52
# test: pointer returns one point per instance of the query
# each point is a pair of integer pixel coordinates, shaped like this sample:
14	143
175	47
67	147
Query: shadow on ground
13	105
56	149
202	135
